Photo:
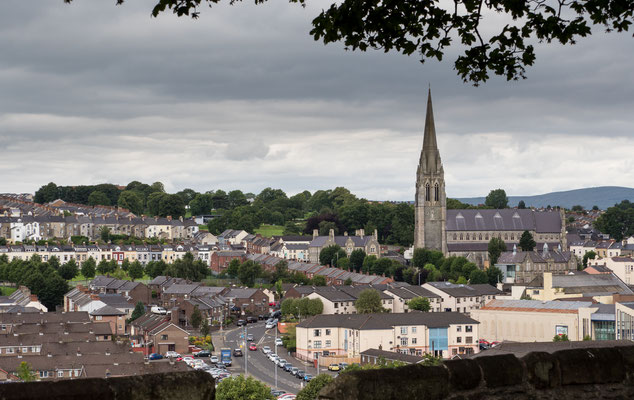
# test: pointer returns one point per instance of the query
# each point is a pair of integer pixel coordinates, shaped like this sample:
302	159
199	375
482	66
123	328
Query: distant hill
602	196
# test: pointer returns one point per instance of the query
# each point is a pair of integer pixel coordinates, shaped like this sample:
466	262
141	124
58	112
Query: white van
158	310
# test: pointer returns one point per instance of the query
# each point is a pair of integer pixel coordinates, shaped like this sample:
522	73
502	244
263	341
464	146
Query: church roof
503	220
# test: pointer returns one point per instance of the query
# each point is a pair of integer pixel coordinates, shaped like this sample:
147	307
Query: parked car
343	365
287	367
203	353
261	317
300	374
188	360
276	393
266	349
269	325
158	310
308	377
251	320
294	371
253	347
237	353
241	322
279	342
281	363
276	314
172	354
250	337
155	356
334	367
214	359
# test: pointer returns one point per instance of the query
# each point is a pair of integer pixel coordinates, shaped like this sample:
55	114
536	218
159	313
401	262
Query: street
258	364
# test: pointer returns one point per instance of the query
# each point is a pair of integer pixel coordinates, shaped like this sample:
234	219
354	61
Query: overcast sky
244	98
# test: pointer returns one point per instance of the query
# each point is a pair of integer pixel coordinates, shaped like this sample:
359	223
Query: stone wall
193	385
605	373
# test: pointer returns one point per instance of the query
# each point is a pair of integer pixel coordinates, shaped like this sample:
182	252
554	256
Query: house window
413	329
403	330
469	328
458	339
404	341
414	340
98	317
317	344
43	374
458	328
25	349
469	339
327	332
60	374
317	332
9	350
328	343
336	305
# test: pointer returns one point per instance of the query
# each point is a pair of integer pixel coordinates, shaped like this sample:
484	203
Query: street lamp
276	357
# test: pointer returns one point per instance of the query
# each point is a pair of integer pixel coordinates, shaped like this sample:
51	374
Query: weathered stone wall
193	385
605	373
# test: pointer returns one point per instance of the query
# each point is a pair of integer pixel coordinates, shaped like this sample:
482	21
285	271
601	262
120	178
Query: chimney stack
315	233
376	235
331	234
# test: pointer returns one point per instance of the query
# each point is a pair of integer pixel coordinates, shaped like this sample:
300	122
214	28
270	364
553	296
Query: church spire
429	141
430	156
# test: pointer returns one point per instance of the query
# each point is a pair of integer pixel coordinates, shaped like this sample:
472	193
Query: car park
266	349
334	367
253	347
172	354
237	353
155	356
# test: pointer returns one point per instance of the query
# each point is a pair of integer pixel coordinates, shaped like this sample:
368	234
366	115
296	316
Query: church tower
431	201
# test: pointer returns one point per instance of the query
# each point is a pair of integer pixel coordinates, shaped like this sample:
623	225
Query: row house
414	333
39	227
220	259
462	298
369	244
133	291
231	237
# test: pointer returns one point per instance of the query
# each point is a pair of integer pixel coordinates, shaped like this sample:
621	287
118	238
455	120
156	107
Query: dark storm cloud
244	98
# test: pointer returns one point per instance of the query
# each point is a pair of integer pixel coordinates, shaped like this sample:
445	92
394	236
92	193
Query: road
258	364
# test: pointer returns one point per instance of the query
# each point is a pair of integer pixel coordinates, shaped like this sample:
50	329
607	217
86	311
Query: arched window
427	195
467	236
461	236
436	192
486	237
506	236
480	237
455	236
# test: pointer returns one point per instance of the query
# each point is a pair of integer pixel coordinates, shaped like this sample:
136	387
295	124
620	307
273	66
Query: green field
270	230
6	291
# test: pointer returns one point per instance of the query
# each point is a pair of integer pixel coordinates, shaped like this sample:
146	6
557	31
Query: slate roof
505	219
411	292
587	284
536	305
107	311
518	257
386	320
521	349
392	356
460	290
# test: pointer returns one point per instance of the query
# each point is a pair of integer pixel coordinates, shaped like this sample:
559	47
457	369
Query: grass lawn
270	230
6	291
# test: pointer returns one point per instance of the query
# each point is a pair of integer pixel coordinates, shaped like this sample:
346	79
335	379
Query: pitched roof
107	311
537	305
503	220
460	290
392	356
386	320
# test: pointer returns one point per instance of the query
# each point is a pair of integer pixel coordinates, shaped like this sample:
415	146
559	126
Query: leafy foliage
303	307
527	243
25	372
241	388
497	199
369	301
88	268
196	318
617	221
69	270
590	255
139	310
419	303
496	247
311	391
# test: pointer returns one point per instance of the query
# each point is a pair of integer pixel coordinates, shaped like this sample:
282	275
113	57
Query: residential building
534	320
462	298
415	333
523	266
623	267
600	288
369	244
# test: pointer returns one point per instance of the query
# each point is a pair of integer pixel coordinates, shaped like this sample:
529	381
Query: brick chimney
169	217
331	234
315	233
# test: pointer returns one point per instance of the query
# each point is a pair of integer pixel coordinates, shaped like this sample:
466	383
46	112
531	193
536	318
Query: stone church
467	232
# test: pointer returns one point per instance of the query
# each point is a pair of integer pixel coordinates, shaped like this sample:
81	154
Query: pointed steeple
430	156
429	141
